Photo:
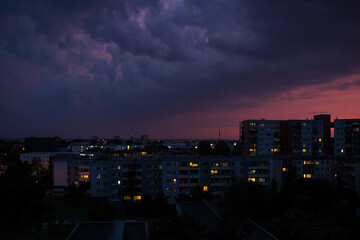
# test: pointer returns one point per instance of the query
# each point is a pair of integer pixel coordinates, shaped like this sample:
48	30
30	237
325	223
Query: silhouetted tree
204	148
221	148
237	151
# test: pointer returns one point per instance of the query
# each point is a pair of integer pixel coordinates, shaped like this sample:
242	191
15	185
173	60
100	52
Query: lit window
84	176
174	180
251	180
225	164
127	198
137	197
98	176
118	167
205	188
320	140
214	171
284	169
342	150
194	164
304	150
307	175
119	182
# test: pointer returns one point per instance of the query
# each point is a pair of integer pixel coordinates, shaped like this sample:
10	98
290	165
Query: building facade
347	137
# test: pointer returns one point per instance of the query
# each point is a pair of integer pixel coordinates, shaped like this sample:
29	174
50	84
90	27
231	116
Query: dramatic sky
173	68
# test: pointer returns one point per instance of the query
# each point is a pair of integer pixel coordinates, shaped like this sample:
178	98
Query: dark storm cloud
115	62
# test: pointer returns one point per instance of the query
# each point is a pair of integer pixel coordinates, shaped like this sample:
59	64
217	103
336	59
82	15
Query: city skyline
174	69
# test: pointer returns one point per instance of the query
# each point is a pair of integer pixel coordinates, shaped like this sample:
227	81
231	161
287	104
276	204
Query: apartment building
212	174
310	167
347	172
122	179
71	169
274	137
347	137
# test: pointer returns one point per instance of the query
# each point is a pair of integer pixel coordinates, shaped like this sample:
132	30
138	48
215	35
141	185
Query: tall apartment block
275	137
347	137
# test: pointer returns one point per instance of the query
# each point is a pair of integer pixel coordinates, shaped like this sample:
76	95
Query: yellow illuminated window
251	180
307	175
127	198
128	147
84	176
76	182
193	164
214	171
205	188
342	150
137	197
174	180
307	162
320	140
276	150
118	167
285	169
225	164
143	153
119	182
98	176
304	150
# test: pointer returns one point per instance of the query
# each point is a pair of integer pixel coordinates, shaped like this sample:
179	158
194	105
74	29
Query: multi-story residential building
347	137
260	137
71	169
121	179
307	137
327	125
310	167
184	174
347	172
275	137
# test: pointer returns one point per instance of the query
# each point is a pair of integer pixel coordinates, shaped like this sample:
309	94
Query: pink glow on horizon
340	98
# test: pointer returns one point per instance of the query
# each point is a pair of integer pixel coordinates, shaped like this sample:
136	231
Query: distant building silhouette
43	144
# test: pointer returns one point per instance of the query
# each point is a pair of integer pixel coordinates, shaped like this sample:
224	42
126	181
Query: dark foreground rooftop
117	230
